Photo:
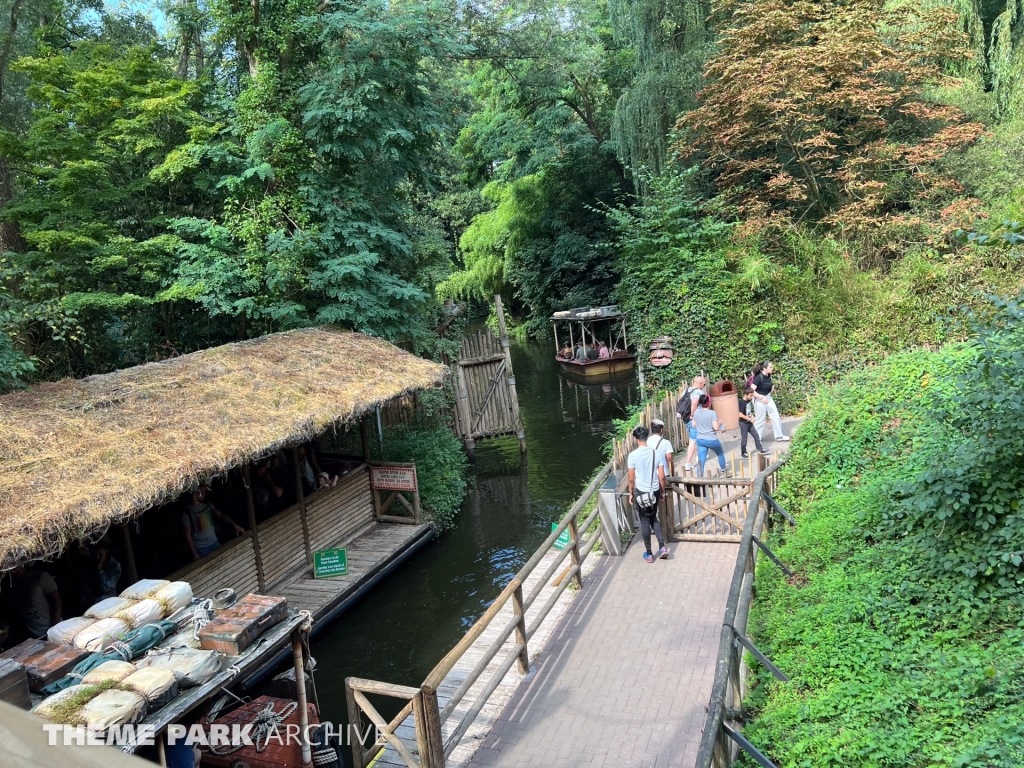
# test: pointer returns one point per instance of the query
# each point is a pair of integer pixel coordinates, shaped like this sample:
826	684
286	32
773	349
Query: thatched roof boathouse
80	456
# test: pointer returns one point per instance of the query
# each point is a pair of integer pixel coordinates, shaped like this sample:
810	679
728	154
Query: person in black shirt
747	422
764	405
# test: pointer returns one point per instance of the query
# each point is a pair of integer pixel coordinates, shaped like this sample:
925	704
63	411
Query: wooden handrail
716	750
423	700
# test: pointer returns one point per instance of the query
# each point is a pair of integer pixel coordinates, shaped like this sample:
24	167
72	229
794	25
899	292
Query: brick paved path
626	675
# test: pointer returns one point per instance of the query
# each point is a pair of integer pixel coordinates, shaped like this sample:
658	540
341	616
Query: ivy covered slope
903	628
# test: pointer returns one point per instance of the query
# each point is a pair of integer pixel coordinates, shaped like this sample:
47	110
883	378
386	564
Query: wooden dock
369	553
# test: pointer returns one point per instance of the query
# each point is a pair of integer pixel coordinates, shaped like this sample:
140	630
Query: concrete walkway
625	677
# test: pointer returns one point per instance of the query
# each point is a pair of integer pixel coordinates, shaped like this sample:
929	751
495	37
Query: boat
591	326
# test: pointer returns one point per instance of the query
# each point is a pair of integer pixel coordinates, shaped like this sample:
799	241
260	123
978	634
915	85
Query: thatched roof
78	455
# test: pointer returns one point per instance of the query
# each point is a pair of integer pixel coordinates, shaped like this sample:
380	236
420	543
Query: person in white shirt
661	446
646	479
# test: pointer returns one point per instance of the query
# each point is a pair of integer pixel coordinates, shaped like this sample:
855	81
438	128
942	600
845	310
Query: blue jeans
203	551
703	446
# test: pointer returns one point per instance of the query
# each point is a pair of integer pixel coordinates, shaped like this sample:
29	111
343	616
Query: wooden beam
133	573
513	397
470	361
301	496
251	509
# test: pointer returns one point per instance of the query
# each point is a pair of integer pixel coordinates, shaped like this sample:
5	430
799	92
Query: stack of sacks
146	611
173	596
108	607
101	634
114	707
63	632
48	707
140	590
108	671
157	686
190	666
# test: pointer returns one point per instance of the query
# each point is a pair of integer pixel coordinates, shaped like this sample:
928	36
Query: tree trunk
10	232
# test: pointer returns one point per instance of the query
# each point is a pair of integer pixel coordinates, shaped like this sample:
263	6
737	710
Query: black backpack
685	408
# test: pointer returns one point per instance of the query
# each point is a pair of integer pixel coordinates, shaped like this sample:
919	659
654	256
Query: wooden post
300	687
513	398
574	554
353	718
416	506
519	613
302	505
434	757
133	573
554	327
364	436
462	404
251	508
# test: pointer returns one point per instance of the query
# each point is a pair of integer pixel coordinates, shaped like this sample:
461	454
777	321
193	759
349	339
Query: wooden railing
721	738
432	748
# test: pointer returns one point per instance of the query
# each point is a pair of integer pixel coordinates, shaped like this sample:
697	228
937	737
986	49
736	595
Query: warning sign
393	478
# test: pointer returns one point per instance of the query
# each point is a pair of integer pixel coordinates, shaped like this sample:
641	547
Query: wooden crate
277	754
44	661
236	628
14	684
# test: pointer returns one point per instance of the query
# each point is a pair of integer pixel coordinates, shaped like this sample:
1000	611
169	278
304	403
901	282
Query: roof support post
302	505
251	509
133	572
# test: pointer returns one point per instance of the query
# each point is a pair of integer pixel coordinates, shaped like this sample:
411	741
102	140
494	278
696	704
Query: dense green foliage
902	628
441	465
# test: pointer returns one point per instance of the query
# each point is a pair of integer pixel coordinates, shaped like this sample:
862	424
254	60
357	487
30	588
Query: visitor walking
747	422
764	405
708	427
685	410
661	446
646	478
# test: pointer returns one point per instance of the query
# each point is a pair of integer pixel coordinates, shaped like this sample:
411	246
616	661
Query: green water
410	620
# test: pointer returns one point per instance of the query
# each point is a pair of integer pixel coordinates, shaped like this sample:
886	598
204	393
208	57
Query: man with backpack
646	479
685	410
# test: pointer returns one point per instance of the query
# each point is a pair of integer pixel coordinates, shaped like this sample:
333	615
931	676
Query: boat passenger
592	353
200	531
603	352
581	353
566	352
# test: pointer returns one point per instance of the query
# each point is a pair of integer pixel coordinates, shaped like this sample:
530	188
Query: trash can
726	403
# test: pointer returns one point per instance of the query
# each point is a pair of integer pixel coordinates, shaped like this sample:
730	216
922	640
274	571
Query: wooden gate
712	508
485	386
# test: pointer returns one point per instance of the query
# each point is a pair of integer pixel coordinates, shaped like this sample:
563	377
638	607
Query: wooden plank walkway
369	551
506	689
619	677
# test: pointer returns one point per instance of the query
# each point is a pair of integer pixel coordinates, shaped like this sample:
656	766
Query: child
747	422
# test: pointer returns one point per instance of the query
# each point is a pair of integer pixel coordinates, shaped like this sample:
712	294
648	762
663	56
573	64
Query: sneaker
744	456
689	467
648	557
783	439
663	553
727	473
765	452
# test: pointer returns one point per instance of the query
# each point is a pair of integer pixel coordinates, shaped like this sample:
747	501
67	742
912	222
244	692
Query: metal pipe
300	687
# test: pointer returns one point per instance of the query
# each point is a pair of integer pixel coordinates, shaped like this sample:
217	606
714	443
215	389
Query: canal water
411	619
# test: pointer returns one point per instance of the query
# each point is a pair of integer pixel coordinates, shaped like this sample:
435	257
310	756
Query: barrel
726	403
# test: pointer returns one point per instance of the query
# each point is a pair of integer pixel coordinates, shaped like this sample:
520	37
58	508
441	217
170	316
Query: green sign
330	562
563	538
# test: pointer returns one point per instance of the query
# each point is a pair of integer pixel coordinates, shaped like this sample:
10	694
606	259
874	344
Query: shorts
692	432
